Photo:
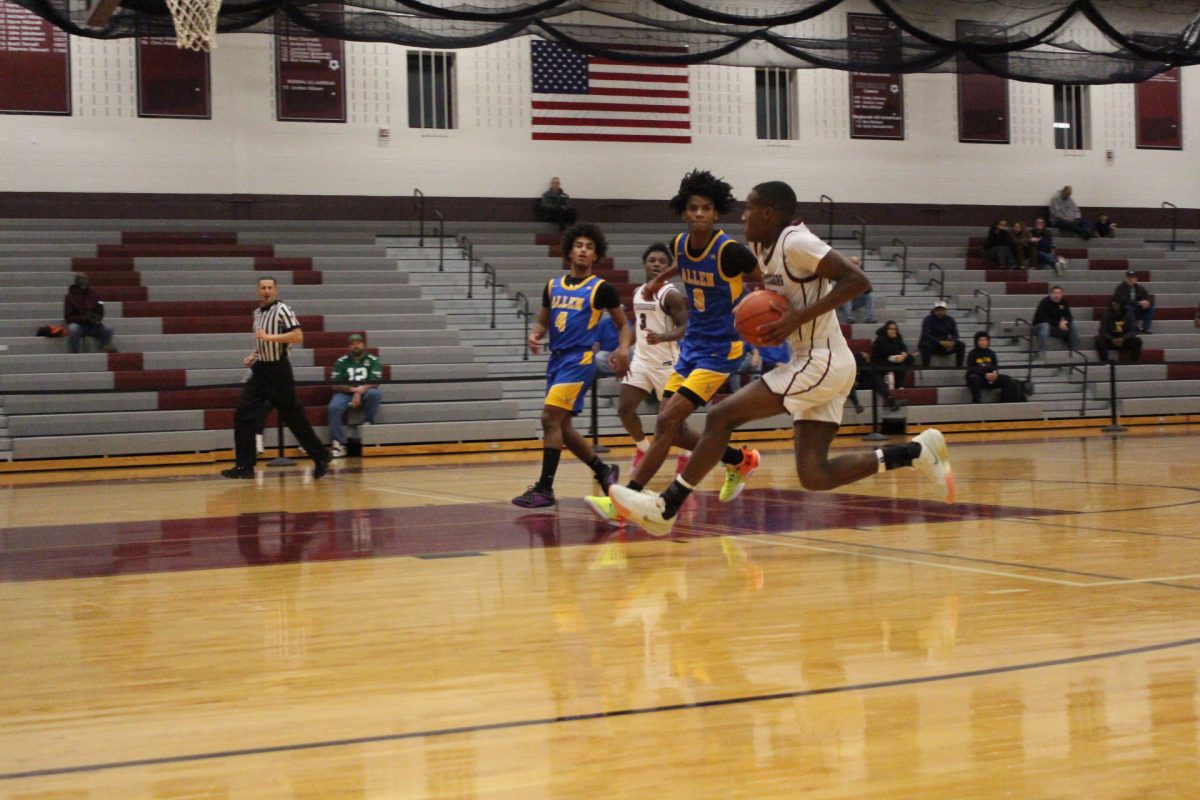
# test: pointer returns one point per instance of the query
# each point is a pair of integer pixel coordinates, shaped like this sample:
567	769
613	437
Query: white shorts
814	385
648	376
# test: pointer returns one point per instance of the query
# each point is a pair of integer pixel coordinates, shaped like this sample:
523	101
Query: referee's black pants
273	381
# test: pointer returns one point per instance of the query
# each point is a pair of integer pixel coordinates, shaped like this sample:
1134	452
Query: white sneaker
641	508
338	450
934	460
258	444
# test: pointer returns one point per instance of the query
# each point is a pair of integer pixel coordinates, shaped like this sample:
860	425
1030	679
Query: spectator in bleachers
866	301
83	312
553	207
1023	249
1104	228
1137	299
1066	216
983	372
1053	318
1044	253
355	377
871	378
890	355
1118	331
939	334
998	248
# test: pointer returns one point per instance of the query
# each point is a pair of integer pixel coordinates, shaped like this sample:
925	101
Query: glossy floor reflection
257	538
407	633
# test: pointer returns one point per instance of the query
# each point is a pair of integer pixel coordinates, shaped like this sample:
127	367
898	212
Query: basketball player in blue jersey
814	280
572	306
711	265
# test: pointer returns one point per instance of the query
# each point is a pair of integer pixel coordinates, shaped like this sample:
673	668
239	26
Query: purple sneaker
535	497
610	477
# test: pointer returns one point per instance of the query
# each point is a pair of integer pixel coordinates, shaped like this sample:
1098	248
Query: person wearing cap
939	334
356	378
1137	300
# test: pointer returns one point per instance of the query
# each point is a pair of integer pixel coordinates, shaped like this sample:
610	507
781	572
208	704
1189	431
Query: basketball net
195	23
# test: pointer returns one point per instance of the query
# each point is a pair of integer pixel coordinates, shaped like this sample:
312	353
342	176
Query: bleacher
180	293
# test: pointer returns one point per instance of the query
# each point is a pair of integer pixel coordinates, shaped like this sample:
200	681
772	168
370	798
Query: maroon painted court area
436	531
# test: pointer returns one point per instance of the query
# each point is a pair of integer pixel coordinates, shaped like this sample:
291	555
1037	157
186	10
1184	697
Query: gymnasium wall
105	148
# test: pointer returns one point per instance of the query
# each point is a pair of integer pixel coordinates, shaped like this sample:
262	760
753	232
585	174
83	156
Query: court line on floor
595	715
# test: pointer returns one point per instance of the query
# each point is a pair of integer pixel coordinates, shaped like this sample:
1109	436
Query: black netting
1084	41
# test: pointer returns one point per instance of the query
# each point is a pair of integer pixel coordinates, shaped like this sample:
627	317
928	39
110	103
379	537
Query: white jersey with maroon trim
651	315
789	267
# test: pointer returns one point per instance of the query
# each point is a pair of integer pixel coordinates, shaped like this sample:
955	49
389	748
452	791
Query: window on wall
1072	112
774	100
430	89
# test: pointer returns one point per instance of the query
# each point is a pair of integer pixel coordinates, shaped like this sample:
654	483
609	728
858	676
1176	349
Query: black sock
900	455
732	457
550	457
597	467
634	485
673	498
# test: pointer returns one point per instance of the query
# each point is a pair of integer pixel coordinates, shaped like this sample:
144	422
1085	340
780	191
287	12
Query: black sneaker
535	497
320	467
245	473
610	477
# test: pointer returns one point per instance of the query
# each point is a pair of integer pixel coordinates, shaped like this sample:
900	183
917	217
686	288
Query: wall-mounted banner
172	82
35	64
876	99
310	74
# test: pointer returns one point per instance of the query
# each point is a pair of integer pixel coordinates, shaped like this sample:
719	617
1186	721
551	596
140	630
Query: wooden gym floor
400	630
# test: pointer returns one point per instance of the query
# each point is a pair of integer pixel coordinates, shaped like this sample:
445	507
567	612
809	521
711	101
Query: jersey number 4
560	321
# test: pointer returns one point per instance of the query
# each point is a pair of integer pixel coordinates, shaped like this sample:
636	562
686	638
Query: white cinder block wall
105	147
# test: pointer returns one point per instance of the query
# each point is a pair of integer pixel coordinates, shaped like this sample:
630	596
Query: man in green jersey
356	377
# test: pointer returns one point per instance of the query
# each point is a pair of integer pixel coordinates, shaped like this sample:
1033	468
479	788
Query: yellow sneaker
603	508
736	475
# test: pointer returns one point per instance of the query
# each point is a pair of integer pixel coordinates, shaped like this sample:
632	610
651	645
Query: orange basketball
758	308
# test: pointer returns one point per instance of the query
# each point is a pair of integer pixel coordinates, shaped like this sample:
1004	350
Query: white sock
683	483
643	445
686	454
879	457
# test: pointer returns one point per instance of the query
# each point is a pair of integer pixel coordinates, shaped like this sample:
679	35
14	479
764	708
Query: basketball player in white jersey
660	322
815	280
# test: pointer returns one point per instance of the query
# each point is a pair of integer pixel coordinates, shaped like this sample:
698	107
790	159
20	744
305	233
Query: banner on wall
310	75
35	64
982	96
1159	122
172	82
876	99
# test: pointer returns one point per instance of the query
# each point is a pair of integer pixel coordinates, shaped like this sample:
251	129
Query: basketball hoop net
195	23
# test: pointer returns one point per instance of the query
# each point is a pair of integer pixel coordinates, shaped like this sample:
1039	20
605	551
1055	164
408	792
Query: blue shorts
568	377
703	367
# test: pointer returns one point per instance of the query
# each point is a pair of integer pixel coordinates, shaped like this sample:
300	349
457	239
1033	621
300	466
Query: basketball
758	308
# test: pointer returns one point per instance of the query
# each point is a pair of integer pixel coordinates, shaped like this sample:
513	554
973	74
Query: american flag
585	98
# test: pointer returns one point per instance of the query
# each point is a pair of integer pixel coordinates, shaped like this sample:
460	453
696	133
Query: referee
276	329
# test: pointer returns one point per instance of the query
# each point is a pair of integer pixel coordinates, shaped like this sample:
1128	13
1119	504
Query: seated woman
997	249
890	355
1024	251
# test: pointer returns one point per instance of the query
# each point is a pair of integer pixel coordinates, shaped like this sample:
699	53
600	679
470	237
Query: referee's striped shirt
274	319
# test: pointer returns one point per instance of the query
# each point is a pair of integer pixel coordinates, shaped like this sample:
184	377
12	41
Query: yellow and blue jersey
711	295
573	313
